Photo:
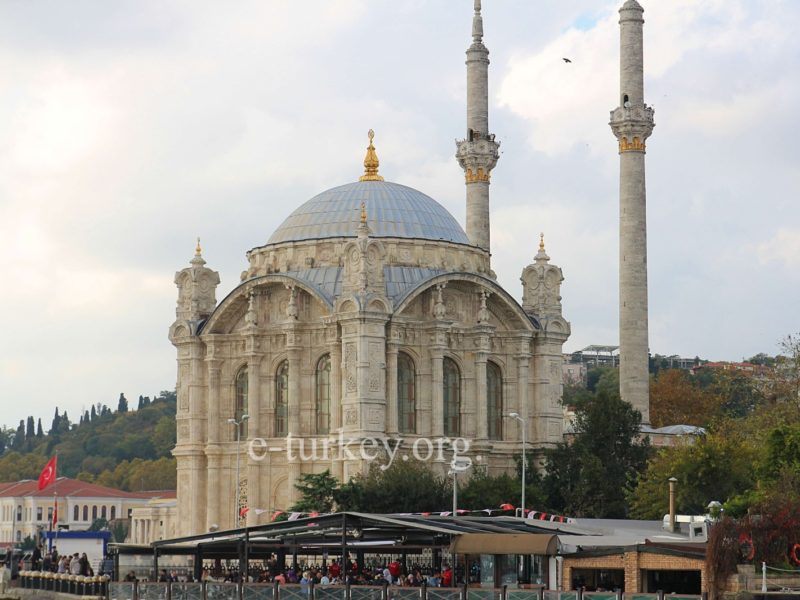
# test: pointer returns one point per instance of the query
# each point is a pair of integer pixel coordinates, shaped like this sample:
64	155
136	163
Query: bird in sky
566	60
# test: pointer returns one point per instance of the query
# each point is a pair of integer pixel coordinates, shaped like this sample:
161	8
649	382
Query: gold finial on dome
371	162
541	242
197	249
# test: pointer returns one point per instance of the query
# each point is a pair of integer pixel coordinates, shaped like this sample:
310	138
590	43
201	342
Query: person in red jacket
447	576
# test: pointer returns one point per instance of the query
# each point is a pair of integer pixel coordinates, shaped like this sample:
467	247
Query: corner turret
197	287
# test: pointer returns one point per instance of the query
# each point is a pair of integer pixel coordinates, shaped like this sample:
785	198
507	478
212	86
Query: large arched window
102	512
494	401
94	513
76	513
452	398
282	400
406	394
240	401
85	512
113	512
323	399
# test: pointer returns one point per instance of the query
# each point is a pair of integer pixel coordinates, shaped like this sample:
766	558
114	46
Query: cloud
783	248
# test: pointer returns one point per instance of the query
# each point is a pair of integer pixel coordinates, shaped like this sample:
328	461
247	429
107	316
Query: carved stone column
294	345
523	357
213	450
254	430
391	387
437	391
335	346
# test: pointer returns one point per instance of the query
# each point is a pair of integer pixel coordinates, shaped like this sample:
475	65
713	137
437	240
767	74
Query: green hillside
122	448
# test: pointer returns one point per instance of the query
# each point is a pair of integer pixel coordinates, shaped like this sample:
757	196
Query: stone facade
369	314
276	335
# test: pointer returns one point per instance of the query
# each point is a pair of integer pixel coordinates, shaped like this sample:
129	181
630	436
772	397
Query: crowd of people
391	573
65	564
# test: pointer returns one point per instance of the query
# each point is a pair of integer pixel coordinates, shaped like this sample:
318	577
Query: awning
505	543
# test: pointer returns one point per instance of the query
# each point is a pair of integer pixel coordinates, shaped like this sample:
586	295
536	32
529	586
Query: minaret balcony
642	113
478	153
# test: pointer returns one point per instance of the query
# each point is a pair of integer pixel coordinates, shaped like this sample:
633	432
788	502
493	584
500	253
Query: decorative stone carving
483	312
439	309
291	307
541	286
376	376
250	316
350	357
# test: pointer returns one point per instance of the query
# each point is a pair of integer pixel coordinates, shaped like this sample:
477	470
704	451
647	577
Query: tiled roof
66	487
393	210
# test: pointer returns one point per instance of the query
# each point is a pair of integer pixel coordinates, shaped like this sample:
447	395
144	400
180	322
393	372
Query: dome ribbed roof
393	210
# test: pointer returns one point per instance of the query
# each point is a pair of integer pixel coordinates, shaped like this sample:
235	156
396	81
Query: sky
129	128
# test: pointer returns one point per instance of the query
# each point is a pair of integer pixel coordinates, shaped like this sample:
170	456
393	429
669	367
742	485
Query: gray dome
393	210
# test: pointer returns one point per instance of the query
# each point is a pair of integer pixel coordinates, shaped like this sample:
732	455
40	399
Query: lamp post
515	415
238	423
458	465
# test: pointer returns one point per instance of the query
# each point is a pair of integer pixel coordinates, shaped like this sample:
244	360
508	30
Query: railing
211	590
63	583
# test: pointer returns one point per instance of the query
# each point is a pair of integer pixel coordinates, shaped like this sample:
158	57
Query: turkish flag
48	474
243	511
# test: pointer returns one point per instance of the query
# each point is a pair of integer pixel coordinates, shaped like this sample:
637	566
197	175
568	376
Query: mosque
370	313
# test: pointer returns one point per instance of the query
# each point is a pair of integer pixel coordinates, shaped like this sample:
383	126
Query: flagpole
55	516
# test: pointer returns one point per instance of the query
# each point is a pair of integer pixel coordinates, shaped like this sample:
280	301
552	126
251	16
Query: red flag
243	511
48	474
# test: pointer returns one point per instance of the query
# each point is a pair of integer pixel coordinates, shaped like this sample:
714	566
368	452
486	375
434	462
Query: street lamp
457	465
238	424
515	415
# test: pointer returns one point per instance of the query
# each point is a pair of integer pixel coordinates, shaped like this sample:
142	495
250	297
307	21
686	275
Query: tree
15	466
783	385
30	429
485	491
586	477
710	467
163	437
406	486
122	404
317	492
19	437
119	531
738	393
93	413
675	399
39	431
54	427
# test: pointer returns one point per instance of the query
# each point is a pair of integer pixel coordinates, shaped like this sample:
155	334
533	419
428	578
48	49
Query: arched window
282	400
406	394
240	403
94	513
452	398
102	512
324	394
85	512
76	513
113	512
494	401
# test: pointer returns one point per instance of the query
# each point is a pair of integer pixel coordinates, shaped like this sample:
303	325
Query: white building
25	510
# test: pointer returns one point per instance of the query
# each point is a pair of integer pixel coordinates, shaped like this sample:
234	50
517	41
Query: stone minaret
632	123
477	154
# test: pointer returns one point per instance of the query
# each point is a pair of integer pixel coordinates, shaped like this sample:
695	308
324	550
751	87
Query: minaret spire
477	154
632	123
